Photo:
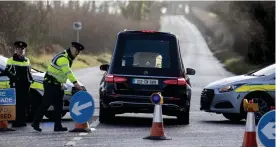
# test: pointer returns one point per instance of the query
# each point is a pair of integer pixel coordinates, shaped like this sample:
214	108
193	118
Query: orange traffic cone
249	139
4	126
81	128
157	129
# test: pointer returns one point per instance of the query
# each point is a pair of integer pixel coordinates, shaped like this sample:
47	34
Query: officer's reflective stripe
12	68
23	65
53	63
248	88
68	92
37	85
63	65
67	73
57	56
4	84
12	62
55	66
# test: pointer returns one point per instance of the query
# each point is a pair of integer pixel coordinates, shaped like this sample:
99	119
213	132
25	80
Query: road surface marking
93	125
83	134
70	143
77	138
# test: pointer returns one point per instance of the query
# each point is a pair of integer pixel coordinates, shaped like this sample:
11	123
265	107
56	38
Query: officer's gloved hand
77	86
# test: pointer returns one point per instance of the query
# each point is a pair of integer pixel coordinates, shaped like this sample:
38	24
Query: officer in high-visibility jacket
18	69
57	73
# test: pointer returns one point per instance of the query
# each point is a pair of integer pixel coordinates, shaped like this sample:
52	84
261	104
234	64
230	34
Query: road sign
7	113
7	104
266	129
81	107
7	96
77	25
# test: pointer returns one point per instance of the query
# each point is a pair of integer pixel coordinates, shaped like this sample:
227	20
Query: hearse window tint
146	54
155	54
144	59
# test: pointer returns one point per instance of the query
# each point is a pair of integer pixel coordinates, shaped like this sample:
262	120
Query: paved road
128	130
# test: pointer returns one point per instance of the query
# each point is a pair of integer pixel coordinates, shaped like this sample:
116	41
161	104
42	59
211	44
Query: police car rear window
155	54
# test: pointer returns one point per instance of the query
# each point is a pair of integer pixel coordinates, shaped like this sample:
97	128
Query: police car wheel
264	103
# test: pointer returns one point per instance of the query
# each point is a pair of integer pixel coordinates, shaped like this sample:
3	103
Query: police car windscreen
147	55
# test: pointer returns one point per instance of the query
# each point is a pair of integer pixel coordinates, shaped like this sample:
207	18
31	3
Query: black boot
59	128
36	127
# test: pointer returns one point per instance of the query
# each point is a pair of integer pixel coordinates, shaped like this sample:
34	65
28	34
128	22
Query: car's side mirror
190	71
104	67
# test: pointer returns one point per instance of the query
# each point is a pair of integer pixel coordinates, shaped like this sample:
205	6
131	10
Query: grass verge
82	61
234	62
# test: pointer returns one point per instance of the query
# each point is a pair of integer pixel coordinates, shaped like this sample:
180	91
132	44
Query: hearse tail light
179	81
109	78
148	31
115	79
171	82
119	79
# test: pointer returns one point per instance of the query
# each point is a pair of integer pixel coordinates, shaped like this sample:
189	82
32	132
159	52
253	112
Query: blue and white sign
7	96
156	98
266	129
81	107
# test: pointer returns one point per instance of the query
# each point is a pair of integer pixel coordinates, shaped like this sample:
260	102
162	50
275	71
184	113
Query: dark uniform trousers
22	101
53	95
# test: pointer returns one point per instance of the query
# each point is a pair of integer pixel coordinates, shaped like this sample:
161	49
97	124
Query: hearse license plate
145	81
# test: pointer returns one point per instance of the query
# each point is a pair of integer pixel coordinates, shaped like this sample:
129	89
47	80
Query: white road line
83	134
70	143
77	138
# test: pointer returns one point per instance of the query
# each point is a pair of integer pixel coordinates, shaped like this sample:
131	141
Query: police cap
20	44
78	46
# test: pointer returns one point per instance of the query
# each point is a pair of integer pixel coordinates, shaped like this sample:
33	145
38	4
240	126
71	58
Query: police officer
57	73
18	70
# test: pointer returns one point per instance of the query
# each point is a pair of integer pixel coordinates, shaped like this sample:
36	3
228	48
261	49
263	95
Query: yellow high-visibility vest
60	68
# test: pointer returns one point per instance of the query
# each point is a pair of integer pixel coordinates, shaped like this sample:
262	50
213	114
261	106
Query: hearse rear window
136	54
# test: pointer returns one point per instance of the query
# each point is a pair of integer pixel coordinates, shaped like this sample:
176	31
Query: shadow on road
123	121
227	122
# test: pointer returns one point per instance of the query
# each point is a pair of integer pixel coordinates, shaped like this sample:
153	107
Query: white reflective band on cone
250	122
157	113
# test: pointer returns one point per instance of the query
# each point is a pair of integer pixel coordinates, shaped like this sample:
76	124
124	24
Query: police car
226	95
37	91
